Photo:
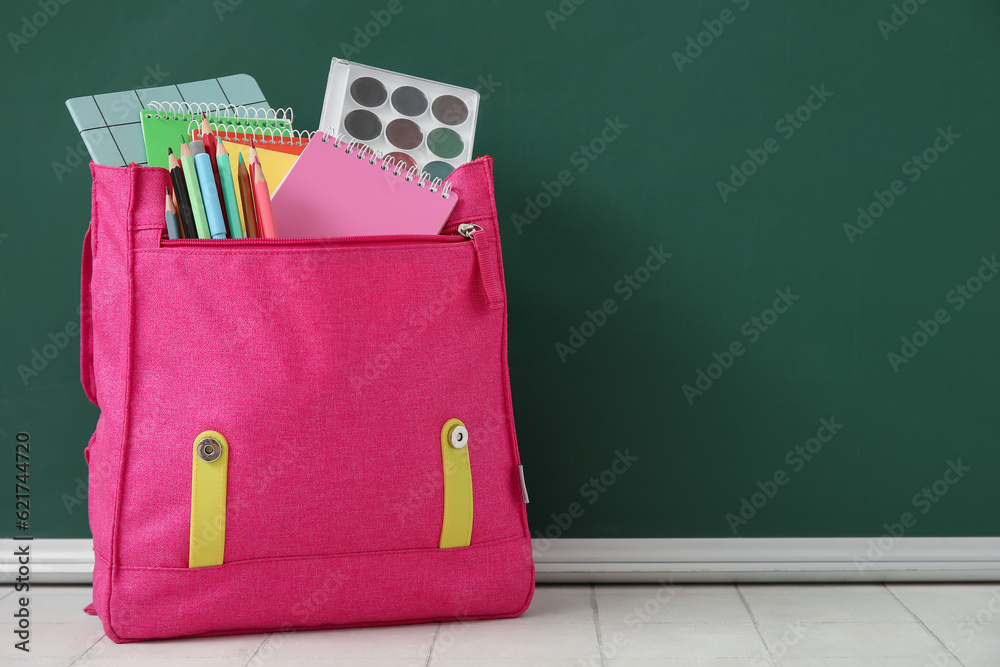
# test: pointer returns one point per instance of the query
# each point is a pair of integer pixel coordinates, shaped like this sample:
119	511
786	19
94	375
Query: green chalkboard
749	245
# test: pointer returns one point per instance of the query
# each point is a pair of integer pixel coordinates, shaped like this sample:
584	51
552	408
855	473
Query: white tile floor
899	625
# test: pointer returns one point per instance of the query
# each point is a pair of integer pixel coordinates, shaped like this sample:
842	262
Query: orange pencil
263	200
246	198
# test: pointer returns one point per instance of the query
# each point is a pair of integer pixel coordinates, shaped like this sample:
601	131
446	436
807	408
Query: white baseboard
821	559
799	559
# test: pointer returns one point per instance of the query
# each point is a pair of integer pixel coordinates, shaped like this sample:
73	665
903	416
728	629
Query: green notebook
163	124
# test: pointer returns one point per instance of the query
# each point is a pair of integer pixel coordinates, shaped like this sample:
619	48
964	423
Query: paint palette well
415	121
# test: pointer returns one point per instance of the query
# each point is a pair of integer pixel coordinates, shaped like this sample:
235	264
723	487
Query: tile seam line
756	626
597	625
920	621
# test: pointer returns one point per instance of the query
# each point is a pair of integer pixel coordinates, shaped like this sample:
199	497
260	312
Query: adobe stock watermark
364	34
914	168
563	11
793	634
486	87
121	107
924	501
269	307
900	14
629	284
31	24
581	158
444	639
972	625
41	356
796	458
223	7
490	426
786	126
76	155
403	338
635	620
752	330
696	44
927	329
310	606
591	491
969	628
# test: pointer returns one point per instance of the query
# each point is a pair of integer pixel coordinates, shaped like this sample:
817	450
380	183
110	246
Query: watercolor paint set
417	122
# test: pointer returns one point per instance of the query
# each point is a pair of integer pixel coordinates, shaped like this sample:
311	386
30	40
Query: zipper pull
486	256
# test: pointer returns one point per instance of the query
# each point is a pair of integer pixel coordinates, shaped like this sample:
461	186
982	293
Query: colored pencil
252	158
228	192
254	165
173	229
210	142
246	195
262	197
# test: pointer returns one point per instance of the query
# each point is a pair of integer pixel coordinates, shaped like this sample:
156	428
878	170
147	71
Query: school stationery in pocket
298	433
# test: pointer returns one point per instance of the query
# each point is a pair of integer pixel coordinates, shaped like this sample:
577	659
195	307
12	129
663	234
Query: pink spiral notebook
330	192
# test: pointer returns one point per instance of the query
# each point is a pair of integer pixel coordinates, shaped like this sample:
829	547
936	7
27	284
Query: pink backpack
298	434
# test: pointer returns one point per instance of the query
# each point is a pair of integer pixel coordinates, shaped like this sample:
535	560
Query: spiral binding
283	136
423	178
239	113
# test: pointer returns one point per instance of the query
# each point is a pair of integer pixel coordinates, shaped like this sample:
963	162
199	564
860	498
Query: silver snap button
458	436
209	449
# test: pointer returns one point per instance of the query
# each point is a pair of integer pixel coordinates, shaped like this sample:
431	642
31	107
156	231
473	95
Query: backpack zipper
484	248
489	268
344	240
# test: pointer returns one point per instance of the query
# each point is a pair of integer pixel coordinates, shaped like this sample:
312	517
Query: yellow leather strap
208	500
456	528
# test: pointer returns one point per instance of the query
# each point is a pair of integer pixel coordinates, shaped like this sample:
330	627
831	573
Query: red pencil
262	198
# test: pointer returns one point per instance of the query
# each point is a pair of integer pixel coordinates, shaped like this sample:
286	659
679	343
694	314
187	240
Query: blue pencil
209	192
